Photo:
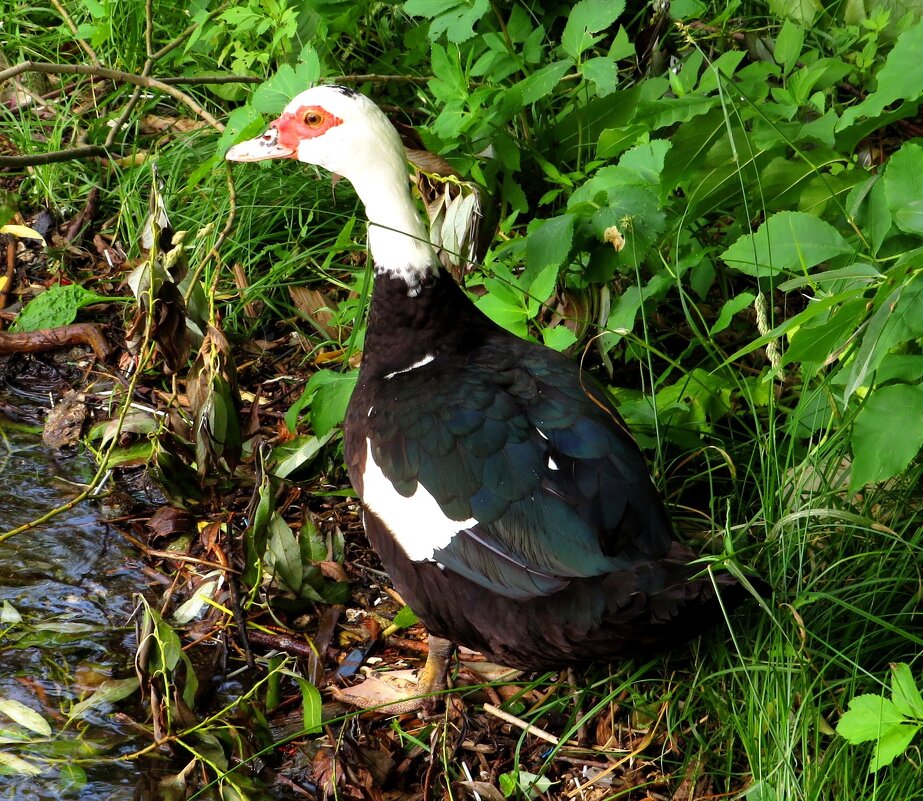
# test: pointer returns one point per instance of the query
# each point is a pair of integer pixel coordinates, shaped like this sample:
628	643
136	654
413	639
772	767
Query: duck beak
263	147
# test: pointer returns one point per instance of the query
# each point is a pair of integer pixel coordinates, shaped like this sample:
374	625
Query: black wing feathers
511	438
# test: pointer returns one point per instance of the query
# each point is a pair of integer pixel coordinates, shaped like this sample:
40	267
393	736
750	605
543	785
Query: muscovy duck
504	494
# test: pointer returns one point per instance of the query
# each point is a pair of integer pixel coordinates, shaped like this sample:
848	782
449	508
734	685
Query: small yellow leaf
23	232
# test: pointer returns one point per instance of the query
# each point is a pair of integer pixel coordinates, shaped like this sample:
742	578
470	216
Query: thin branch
114	75
54	156
210	79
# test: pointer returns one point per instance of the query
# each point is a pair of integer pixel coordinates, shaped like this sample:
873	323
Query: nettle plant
746	184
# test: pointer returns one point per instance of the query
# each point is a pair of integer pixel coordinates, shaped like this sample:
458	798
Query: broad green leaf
903	182
602	72
25	716
72	778
57	306
329	405
887	433
586	18
107	693
904	691
543	81
788	45
892	743
548	245
898	79
866	717
802	11
789	241
558	338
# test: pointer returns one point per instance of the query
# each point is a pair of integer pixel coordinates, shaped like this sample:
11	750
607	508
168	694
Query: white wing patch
425	360
417	522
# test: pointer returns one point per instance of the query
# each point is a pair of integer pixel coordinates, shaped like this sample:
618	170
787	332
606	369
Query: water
72	582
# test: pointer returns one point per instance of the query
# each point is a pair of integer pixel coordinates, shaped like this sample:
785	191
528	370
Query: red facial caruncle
306	122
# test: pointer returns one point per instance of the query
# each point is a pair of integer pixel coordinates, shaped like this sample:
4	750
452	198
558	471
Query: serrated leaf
548	245
25	716
273	95
543	81
455	18
887	433
867	717
904	691
587	18
892	743
602	72
789	241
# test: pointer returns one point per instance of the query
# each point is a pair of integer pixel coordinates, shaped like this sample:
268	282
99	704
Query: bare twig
520	723
114	75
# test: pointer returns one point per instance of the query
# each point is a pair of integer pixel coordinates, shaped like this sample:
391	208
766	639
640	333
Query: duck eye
313	118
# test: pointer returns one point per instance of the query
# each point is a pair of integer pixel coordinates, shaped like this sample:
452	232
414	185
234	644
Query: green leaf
16	764
327	394
273	95
57	306
405	618
106	694
311	706
898	319
25	716
789	241
602	72
887	433
455	18
898	79
543	81
903	182
729	309
283	555
866	717
548	245
298	453
587	18
788	45
892	743
904	691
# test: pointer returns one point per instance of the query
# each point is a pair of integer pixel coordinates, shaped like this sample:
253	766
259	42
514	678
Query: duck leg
396	693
